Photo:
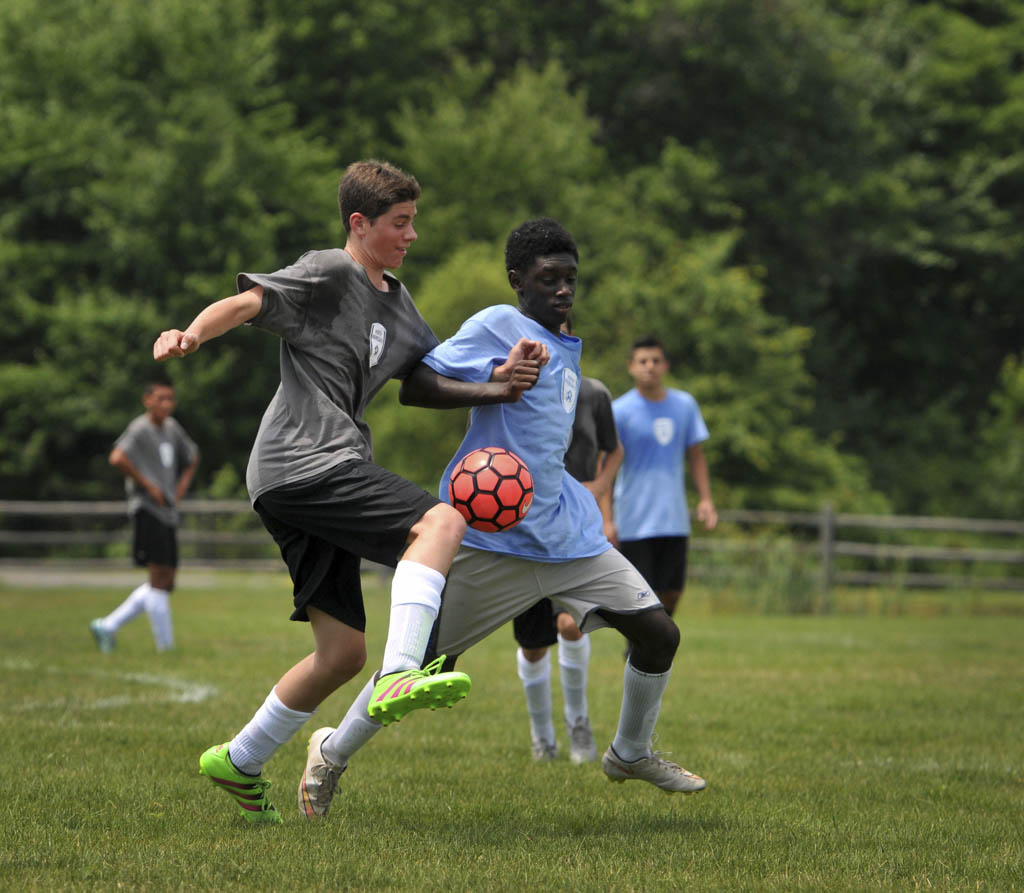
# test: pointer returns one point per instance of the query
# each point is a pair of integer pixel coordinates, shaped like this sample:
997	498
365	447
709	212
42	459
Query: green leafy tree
999	456
147	158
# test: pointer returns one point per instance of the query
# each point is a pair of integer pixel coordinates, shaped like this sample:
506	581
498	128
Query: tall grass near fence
841	752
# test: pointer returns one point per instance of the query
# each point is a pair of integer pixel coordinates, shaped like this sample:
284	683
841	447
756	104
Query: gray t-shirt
342	339
160	454
593	430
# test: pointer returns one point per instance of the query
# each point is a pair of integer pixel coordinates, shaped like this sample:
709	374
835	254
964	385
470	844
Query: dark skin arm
425	387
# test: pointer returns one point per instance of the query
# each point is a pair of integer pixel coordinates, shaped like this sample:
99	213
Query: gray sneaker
320	780
105	639
661	773
582	748
544	751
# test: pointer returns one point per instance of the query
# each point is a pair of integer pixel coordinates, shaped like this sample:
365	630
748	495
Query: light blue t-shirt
650	489
564	521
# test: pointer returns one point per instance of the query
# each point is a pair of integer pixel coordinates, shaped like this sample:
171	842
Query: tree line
817	205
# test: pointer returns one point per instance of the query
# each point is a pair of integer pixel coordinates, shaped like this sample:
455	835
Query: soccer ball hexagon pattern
492	488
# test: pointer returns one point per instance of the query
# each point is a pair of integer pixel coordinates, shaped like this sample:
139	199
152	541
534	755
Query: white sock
536	677
415	601
354	730
129	609
271	726
158	607
573	663
641	701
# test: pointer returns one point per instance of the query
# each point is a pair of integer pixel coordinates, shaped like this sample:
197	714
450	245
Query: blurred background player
158	461
593	458
661	429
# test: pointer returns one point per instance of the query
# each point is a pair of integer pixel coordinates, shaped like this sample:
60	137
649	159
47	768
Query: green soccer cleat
400	693
249	792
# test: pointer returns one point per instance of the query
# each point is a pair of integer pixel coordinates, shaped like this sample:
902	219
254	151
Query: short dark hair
537	238
157	382
371	188
648	341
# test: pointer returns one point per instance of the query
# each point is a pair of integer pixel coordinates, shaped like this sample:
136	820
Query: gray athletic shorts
486	590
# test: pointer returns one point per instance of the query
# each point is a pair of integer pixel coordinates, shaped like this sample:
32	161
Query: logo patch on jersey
570	389
167	454
640	596
664	428
378	335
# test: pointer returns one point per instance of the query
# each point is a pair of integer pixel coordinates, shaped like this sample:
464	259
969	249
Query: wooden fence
895	550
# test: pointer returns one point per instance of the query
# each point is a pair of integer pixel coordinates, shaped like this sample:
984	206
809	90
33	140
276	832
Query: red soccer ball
492	488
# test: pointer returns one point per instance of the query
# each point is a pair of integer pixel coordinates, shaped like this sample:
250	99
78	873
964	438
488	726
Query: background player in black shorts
158	460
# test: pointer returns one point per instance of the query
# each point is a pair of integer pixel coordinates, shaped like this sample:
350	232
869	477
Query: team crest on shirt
378	335
570	388
166	454
663	430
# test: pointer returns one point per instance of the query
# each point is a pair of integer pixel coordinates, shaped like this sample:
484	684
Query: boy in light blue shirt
558	551
658	427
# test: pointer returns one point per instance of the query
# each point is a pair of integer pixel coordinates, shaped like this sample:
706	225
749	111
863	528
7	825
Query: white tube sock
536	678
354	730
415	601
158	607
271	726
641	702
129	609
573	664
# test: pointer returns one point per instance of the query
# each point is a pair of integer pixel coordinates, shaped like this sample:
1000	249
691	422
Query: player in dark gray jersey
593	458
158	460
346	326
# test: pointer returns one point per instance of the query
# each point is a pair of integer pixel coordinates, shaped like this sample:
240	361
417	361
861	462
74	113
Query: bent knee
654	650
442	522
342	666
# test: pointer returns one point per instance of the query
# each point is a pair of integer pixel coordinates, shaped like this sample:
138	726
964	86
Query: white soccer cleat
106	641
582	748
661	773
319	780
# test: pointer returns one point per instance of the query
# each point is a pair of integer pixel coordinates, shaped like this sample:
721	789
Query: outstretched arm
212	321
519	373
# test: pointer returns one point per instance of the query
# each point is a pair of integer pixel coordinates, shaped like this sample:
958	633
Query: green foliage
144	159
999	467
818	204
482	168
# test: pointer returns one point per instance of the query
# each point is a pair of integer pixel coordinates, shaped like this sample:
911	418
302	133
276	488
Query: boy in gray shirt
346	327
158	460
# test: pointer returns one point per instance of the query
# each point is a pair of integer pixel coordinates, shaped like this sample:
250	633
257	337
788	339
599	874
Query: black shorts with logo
661	559
153	542
536	627
326	524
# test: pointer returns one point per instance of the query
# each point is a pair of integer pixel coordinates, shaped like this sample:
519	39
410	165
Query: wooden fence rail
811	538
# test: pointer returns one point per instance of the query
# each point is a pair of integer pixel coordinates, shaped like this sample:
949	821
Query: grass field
842	753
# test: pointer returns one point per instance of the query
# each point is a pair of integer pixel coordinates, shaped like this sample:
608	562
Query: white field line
168	689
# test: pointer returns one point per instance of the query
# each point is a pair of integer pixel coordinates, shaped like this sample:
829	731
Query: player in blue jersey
558	551
658	427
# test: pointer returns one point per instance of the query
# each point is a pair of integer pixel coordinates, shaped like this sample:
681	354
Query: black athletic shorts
661	560
536	628
325	524
153	542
